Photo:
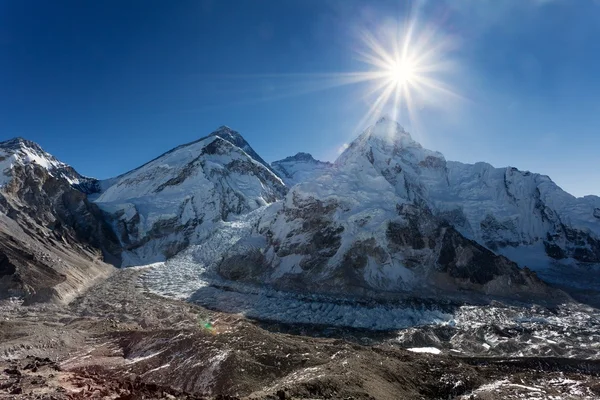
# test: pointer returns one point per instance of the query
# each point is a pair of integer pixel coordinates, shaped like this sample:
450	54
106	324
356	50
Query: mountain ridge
362	205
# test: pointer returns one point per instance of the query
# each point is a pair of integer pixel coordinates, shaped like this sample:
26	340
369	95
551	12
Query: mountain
393	217
522	215
389	219
52	239
299	168
163	206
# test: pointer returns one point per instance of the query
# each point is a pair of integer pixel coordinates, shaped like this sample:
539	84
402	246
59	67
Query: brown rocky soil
118	342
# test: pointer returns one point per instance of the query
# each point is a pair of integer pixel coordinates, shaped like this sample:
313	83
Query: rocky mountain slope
117	341
53	240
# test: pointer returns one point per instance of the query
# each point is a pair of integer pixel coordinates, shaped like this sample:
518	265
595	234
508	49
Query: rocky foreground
116	341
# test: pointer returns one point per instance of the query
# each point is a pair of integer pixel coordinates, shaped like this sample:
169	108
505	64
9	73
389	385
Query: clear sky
107	85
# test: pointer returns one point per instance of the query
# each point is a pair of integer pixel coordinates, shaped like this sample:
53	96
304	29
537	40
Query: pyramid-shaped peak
387	122
222	129
235	138
304	156
225	132
389	131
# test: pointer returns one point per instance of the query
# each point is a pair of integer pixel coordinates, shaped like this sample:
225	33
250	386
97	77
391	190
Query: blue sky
107	85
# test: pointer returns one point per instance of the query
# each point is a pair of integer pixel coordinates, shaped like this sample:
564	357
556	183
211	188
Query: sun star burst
407	70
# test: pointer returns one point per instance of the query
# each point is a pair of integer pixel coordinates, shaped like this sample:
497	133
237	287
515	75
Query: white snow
143	358
494	206
430	350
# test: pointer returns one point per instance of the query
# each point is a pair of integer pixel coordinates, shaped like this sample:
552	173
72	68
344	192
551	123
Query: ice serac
395	218
169	203
299	168
52	239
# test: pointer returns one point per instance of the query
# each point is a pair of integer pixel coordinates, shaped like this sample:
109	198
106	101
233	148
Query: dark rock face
494	232
457	256
352	268
250	267
21	270
322	232
6	267
554	251
55	238
53	203
466	259
433	162
566	242
299	157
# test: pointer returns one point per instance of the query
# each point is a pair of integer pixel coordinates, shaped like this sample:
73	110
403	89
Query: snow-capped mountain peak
234	137
299	168
520	214
173	200
19	152
225	132
306	157
390	149
18	143
387	129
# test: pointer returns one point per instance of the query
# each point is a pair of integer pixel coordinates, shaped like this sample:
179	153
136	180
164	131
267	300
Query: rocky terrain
117	341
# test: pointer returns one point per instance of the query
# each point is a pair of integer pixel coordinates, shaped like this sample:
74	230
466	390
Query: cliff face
55	239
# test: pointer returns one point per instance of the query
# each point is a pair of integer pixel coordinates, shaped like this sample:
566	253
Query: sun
406	69
402	72
409	70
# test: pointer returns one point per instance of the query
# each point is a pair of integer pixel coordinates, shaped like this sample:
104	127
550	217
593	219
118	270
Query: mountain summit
225	132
